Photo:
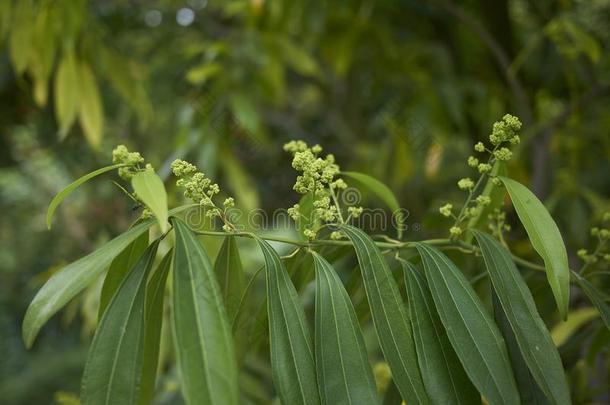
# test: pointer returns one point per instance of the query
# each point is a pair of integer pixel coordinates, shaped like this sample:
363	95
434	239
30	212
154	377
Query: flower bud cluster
133	160
600	253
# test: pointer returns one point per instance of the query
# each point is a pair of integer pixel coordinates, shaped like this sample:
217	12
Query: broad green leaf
471	331
66	91
119	267
202	333
230	274
577	319
545	238
59	197
596	298
390	317
529	391
343	369
91	113
530	332
383	192
153	319
67	282
150	189
292	359
114	363
443	374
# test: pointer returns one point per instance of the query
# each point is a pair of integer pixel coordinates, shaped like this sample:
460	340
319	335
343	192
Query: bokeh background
400	90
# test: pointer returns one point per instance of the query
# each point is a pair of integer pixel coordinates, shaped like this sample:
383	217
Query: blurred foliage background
400	90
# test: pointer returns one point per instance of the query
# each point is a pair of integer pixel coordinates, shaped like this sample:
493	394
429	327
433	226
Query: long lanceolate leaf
59	197
153	319
66	283
72	279
202	334
344	373
596	298
533	338
389	316
545	238
292	361
119	268
470	329
114	363
230	274
442	372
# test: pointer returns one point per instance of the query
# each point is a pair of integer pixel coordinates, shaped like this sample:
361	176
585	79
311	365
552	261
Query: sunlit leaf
91	113
389	315
114	364
20	39
59	197
545	238
153	320
67	91
292	359
344	372
202	333
443	374
230	274
150	189
529	330
474	336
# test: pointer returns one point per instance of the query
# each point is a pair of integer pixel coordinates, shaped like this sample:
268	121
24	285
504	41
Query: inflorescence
504	134
318	178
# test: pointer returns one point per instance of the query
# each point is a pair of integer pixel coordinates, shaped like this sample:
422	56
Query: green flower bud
472	161
503	154
479	147
455	231
465	184
445	210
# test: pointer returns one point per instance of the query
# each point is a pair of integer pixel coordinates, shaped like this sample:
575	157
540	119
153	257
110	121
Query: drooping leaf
596	298
529	391
150	189
91	113
292	359
202	333
114	364
20	39
383	192
59	197
534	340
119	267
470	329
66	283
443	374
545	238
153	319
389	317
230	274
66	91
343	370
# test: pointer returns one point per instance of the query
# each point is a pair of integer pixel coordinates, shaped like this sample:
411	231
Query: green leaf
91	113
383	192
66	92
150	189
389	315
292	360
343	369
471	331
114	363
59	197
529	391
596	298
119	267
20	39
67	282
545	238
530	332
153	319
562	331
202	333
443	374
230	274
